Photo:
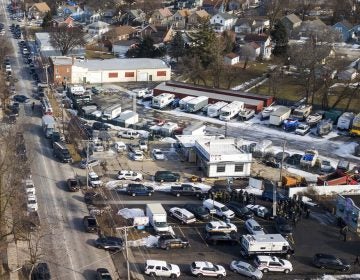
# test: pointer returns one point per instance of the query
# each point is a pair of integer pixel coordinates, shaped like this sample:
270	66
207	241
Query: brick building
60	69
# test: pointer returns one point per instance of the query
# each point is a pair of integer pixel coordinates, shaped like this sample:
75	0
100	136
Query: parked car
268	196
221	238
100	126
129	134
41	272
29	187
162	269
282	226
302	129
94	180
271	263
183	215
202	268
166	176
109	243
137	155
129	175
240	210
282	155
199	211
220	226
330	262
325	166
246	269
73	185
143	145
294	159
158	154
120	146
32	205
90	224
253	227
172	242
90	163
103	274
139	189
21	98
260	211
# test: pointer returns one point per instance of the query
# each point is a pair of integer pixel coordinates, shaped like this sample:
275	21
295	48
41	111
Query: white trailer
77	90
88	109
265	244
128	118
163	100
345	121
302	112
157	217
279	115
231	110
184	101
111	112
197	104
48	125
213	110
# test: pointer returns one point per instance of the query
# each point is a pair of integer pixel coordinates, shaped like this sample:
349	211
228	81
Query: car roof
326	256
204	264
252	221
183	210
155	262
217	223
245	264
267	258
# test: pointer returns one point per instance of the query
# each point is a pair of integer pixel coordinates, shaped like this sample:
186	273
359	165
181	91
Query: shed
127	118
195	129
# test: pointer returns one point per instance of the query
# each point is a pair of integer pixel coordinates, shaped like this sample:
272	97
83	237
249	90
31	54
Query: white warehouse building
117	70
222	158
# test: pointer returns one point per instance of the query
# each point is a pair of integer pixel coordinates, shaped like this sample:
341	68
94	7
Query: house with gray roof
222	21
345	29
291	22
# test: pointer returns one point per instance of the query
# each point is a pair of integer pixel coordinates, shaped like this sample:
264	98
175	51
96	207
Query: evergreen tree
47	20
280	38
145	48
177	46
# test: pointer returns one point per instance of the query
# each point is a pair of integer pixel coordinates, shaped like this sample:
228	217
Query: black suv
240	210
199	211
109	243
103	274
90	224
331	262
221	237
41	272
170	242
166	176
282	226
100	126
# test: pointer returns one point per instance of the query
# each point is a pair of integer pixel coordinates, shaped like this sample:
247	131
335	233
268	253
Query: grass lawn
89	54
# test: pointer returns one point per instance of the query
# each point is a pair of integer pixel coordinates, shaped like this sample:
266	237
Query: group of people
241	196
293	209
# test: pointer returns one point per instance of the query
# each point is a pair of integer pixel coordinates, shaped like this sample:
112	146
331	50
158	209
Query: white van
253	227
129	134
218	209
183	215
161	268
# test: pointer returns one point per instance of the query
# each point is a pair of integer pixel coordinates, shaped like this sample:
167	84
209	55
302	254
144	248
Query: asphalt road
64	245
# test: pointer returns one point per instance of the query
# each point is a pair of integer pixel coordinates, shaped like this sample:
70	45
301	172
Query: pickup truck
309	158
186	189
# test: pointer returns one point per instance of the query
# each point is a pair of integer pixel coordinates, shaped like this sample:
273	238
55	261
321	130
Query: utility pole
87	161
282	161
280	182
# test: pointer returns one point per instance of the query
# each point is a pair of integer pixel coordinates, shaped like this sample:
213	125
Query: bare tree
274	10
34	241
247	52
193	70
66	39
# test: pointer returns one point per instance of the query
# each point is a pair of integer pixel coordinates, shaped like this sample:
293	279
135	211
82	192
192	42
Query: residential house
196	16
161	17
160	34
222	21
356	32
67	10
133	17
187	4
212	6
120	48
291	22
38	11
263	41
250	51
123	32
60	69
251	25
348	74
180	18
345	30
109	15
59	21
231	58
97	28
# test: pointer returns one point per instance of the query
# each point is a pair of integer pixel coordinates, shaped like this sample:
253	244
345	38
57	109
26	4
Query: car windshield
282	262
91	222
94	178
257	228
245	210
73	183
161	224
201	210
251	268
159	153
224	208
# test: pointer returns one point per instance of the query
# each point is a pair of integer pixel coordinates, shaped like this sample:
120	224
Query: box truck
279	115
265	244
184	101
231	110
157	217
48	125
355	129
197	104
345	121
163	100
111	112
213	110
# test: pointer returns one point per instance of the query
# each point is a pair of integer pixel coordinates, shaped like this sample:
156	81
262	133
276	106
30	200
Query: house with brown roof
38	10
231	58
59	21
160	34
180	18
161	17
263	41
196	16
122	32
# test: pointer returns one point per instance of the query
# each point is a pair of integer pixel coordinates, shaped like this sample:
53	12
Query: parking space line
202	237
181	231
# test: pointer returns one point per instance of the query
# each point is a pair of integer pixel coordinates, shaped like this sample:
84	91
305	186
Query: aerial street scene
156	139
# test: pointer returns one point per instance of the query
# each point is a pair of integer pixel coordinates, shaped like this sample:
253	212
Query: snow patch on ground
168	140
151	241
346	149
131	213
165	187
338	277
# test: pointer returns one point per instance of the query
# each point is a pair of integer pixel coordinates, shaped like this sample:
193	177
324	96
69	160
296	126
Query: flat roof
122	64
188	141
61	60
220	146
220	96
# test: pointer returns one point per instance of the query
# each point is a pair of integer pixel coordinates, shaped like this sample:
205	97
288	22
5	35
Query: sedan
221	238
240	210
137	155
103	274
158	154
109	243
21	98
246	269
331	262
90	163
302	129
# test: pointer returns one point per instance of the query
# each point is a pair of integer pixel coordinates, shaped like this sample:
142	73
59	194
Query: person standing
357	260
